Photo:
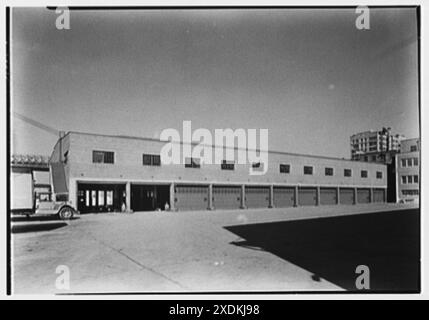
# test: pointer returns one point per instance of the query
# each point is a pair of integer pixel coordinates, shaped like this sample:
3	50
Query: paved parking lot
228	251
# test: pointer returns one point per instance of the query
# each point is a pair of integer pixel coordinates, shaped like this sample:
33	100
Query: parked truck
25	201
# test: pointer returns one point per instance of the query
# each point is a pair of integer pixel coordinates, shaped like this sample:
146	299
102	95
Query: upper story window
413	148
364	174
285	168
103	156
308	170
416	161
227	165
347	172
151	159
379	175
192	163
404	163
329	171
409	162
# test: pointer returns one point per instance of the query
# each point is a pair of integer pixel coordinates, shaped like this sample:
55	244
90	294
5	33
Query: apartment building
408	171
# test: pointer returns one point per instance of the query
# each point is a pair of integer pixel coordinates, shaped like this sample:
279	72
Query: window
416	179
192	163
62	197
109	197
66	155
410	179
404	163
285	168
156	160
256	165
410	192
379	175
102	156
94	198
329	171
308	170
227	165
404	179
100	197
364	174
151	160
413	148
374	158
347	172
409	162
416	161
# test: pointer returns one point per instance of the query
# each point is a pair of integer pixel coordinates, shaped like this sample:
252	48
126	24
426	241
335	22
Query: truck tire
66	213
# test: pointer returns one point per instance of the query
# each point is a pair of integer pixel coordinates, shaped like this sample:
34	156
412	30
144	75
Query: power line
37	124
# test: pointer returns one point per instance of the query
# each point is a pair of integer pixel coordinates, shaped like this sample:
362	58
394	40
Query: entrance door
307	196
149	197
284	197
226	197
257	197
378	195
191	197
347	196
328	196
100	197
364	195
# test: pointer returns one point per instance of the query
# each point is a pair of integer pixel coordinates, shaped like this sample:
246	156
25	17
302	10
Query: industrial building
99	173
408	171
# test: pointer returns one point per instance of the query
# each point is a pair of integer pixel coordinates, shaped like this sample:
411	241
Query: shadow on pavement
37	227
50	217
331	248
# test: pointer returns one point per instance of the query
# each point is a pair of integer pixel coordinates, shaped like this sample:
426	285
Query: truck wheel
66	213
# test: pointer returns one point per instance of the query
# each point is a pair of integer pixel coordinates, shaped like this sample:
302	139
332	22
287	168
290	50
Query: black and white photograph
214	150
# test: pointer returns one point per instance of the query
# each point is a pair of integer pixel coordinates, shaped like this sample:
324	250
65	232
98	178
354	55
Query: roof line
213	146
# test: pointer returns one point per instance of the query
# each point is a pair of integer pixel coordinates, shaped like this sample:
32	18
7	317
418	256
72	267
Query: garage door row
188	197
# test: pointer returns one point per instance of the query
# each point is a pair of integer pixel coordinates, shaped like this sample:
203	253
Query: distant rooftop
30	161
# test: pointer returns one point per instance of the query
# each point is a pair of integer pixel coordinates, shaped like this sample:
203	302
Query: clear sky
309	76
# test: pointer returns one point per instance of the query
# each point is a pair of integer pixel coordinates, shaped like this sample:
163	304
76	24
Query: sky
308	76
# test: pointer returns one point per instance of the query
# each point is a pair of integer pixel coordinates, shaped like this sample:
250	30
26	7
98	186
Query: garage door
363	195
284	197
328	196
307	196
226	197
257	197
191	197
378	195
346	196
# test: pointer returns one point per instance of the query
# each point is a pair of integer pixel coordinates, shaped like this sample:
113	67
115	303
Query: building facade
375	146
408	171
116	173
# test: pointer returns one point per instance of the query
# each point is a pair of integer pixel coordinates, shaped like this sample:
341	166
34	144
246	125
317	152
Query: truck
25	200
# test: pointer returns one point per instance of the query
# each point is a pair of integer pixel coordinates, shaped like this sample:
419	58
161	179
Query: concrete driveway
227	251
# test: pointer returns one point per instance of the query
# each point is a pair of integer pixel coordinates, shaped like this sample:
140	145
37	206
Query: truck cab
46	206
